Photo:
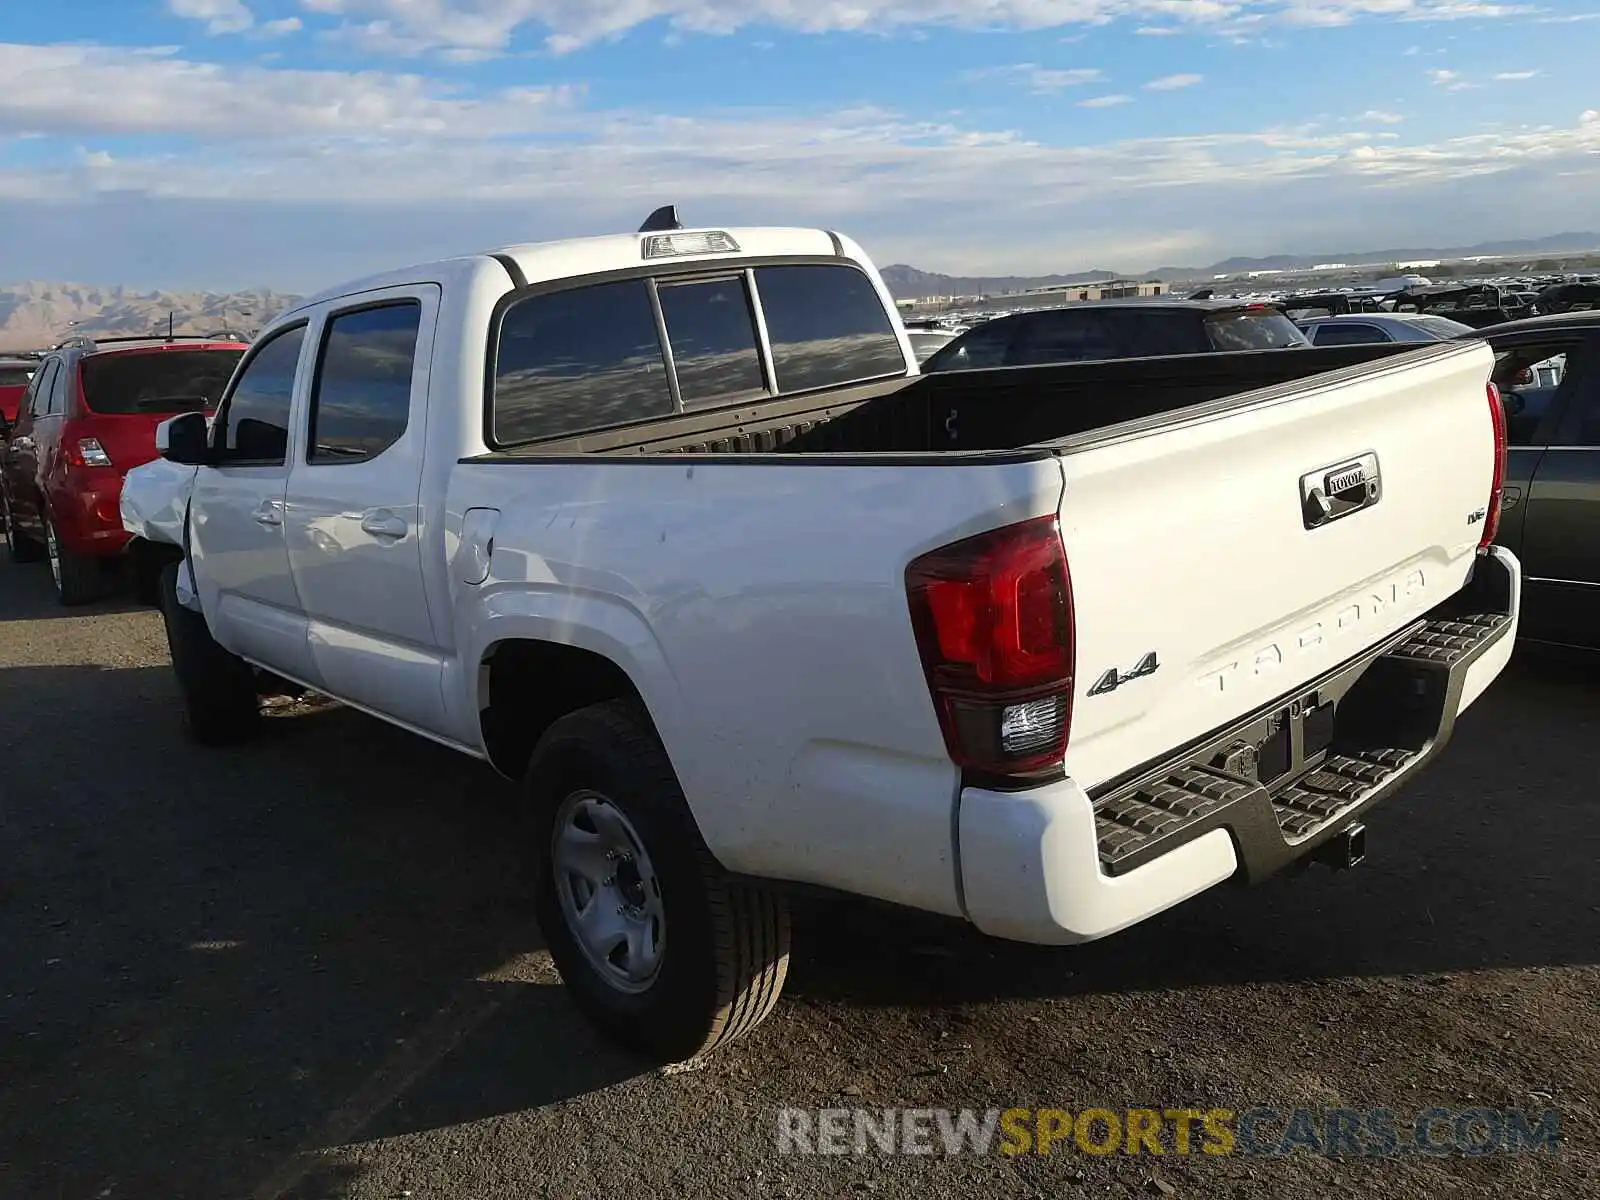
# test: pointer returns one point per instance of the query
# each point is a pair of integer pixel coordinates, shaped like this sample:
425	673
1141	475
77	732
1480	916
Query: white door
236	530
354	524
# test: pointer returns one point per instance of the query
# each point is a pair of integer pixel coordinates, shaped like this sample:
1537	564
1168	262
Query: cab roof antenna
663	219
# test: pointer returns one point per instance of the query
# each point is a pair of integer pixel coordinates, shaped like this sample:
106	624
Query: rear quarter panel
760	609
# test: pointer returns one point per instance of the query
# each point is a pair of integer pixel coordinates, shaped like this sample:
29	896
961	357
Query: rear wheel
660	946
23	548
77	576
219	688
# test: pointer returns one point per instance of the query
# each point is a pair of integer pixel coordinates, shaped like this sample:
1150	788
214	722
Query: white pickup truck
668	527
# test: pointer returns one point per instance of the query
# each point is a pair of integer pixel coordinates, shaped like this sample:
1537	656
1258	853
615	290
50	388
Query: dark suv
1118	329
89	416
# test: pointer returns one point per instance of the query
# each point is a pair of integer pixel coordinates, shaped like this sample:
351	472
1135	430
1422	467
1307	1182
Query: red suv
89	416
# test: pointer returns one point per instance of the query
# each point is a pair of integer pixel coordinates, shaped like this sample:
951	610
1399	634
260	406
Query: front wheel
659	946
219	688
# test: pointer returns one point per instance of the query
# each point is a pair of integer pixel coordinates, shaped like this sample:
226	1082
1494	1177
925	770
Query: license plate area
1301	733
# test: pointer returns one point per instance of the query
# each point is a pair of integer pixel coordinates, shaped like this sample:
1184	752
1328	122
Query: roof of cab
541	262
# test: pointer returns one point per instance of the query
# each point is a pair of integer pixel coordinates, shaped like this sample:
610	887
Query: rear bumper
88	512
1058	865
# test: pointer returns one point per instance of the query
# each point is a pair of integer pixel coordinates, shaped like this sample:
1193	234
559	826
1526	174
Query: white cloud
1382	117
281	27
220	16
1041	80
63	89
1451	81
1105	101
1157	31
947	192
1517	76
1172	83
405	27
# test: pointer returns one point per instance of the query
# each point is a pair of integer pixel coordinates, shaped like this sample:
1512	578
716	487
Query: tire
722	944
23	548
77	577
219	688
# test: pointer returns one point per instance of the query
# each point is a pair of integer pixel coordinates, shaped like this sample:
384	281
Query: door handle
268	514
383	524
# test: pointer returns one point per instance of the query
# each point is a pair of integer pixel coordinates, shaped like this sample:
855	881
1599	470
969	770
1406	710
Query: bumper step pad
1138	823
1342	782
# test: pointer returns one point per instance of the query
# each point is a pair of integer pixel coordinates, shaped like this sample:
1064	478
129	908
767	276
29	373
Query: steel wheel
608	890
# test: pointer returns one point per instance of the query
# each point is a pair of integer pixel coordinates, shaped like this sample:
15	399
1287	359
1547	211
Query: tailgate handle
1339	490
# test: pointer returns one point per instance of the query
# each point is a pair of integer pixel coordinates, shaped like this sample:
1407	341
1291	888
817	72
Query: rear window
11	377
1348	334
157	381
1268	329
1441	327
827	326
712	333
585	358
1159	332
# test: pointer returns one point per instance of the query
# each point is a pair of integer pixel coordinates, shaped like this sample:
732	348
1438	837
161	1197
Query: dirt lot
305	968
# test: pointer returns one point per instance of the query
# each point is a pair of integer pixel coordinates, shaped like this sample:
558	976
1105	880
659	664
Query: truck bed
984	411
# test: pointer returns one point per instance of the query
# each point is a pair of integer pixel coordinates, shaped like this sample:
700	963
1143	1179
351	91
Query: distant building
1094	289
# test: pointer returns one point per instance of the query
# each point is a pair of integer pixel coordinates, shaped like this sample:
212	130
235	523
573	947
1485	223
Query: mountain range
34	314
909	283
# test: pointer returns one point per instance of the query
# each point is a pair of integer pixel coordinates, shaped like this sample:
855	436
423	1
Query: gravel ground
306	968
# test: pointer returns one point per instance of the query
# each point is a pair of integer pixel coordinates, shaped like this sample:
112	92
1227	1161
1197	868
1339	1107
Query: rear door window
361	399
580	359
39	396
1064	337
827	326
1266	329
1157	333
157	381
57	399
712	332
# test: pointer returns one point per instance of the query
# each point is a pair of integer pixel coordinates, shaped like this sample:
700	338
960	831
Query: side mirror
184	440
1514	402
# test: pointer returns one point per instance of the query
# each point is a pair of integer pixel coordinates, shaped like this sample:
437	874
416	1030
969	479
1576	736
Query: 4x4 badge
1113	679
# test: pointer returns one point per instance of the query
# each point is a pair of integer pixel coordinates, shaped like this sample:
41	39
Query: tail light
993	621
1497	488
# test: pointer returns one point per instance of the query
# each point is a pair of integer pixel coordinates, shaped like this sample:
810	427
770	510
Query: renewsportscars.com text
1260	1131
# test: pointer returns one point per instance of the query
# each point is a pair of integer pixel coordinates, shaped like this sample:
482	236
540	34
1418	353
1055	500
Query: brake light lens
87	452
1491	517
994	626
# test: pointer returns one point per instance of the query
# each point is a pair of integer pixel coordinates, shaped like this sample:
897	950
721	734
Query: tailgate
1194	550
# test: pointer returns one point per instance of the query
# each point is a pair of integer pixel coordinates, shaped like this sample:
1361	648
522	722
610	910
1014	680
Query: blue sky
291	143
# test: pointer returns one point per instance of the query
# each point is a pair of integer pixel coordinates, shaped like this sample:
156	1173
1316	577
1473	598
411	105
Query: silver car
1356	329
